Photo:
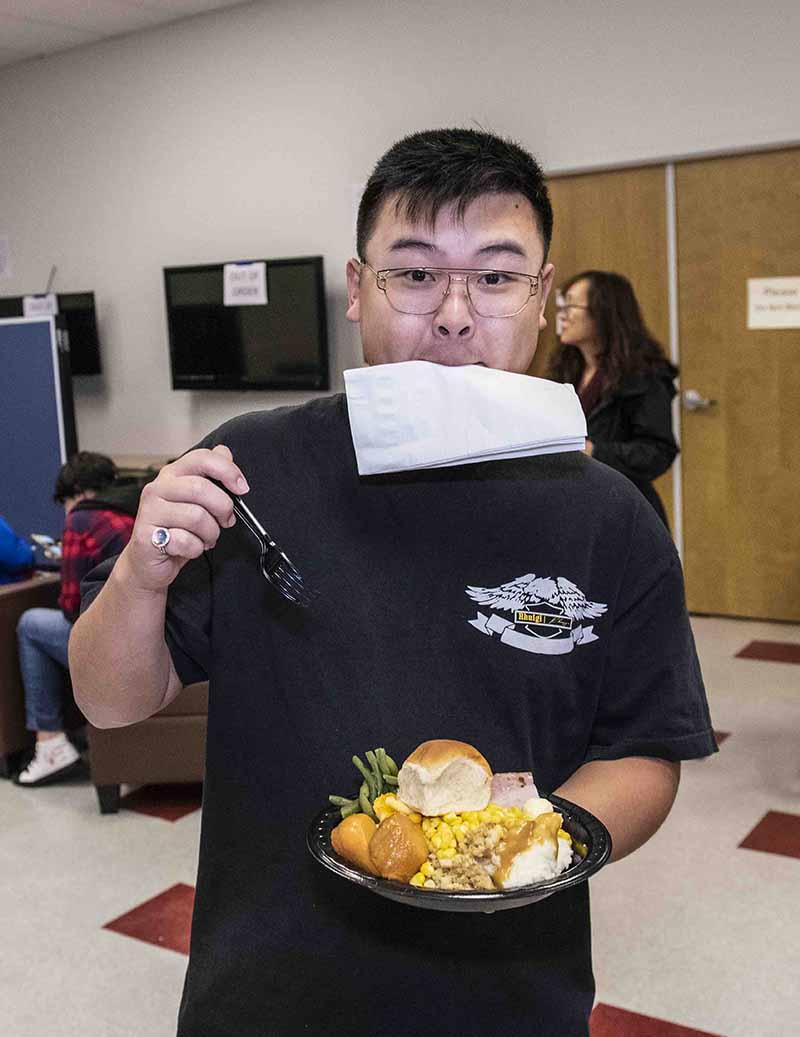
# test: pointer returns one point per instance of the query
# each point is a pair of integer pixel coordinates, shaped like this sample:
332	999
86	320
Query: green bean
372	760
368	776
390	780
391	766
363	798
340	801
352	807
380	755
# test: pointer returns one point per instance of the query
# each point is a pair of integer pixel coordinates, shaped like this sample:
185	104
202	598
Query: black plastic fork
276	566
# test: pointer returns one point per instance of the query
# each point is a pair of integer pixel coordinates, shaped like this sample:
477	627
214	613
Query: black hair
627	346
428	170
84	471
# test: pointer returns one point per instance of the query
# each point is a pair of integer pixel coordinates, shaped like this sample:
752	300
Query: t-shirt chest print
547	614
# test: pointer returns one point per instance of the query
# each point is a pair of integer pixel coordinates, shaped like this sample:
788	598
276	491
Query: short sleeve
188	620
653	701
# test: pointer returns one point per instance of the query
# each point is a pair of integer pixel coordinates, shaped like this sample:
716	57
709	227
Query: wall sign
245	284
773	302
45	305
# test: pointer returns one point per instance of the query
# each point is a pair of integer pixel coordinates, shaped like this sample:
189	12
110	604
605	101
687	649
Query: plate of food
444	832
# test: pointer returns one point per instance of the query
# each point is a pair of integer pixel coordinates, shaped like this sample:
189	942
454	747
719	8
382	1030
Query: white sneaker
53	759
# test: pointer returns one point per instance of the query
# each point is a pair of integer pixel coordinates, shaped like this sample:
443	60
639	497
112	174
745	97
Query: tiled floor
695	935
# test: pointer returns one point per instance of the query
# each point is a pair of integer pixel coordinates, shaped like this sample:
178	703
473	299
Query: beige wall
243	133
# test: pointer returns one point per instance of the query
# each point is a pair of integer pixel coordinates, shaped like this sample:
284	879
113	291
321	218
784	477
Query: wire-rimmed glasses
563	304
422	290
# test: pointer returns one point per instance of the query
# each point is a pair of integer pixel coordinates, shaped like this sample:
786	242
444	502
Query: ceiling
33	28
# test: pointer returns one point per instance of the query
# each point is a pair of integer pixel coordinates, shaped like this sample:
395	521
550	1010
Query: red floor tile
771	652
775	833
166	920
616	1022
721	736
169	802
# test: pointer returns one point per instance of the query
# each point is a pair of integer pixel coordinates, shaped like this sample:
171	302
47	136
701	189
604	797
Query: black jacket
632	430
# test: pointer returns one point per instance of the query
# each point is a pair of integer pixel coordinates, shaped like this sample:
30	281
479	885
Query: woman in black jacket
622	376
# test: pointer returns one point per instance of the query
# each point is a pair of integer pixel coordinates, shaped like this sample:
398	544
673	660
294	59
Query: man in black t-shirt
408	638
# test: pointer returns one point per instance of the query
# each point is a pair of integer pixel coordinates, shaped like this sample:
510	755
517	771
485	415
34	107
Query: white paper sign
245	284
40	305
773	302
5	257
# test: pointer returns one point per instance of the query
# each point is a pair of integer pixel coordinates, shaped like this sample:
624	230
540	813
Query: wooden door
613	221
739	217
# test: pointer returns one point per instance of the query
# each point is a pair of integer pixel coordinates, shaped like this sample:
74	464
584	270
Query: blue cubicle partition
37	422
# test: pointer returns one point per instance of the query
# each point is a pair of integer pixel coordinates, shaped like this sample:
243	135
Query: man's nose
455	318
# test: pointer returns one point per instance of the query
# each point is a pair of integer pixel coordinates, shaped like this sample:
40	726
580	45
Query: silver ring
160	539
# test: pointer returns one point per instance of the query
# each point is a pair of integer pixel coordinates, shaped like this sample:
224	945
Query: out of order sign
245	284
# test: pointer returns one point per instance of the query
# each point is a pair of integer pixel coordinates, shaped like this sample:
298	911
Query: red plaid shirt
90	536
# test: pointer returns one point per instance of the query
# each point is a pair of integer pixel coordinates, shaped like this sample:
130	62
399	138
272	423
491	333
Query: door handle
692	400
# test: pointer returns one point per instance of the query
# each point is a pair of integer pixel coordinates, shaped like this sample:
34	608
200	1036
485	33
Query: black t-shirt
414	633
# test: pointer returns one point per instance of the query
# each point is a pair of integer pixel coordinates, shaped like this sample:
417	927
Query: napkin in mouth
418	414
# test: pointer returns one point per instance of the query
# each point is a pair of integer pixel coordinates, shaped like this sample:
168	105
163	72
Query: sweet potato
351	840
398	848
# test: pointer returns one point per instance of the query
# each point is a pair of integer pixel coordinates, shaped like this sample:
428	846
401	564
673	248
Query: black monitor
280	345
80	321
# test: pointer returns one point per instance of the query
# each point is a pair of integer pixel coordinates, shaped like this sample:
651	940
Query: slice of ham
513	789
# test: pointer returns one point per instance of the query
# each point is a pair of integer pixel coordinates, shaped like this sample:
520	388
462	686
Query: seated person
99	520
16	556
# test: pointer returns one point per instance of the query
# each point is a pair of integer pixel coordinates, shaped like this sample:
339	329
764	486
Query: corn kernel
415	817
436	841
447	854
383	807
426	869
417	880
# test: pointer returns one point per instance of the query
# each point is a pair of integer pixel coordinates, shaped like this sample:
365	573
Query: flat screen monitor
80	321
282	344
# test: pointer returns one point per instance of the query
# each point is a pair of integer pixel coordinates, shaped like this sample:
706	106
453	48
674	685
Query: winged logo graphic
548	613
530	590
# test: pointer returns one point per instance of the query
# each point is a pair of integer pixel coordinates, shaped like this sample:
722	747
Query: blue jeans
42	635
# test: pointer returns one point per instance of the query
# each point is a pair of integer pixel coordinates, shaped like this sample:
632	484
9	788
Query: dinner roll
444	777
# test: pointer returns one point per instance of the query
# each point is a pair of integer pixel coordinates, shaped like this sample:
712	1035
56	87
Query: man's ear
353	311
547	275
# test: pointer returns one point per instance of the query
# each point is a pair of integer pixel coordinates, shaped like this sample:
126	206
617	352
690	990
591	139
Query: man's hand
121	667
183	500
632	797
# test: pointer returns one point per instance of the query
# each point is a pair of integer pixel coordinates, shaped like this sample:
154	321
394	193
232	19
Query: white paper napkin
424	415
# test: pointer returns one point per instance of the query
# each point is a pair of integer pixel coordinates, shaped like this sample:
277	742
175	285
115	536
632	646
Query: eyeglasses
561	306
422	290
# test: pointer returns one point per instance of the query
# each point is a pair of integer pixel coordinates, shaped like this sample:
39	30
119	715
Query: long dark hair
626	345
